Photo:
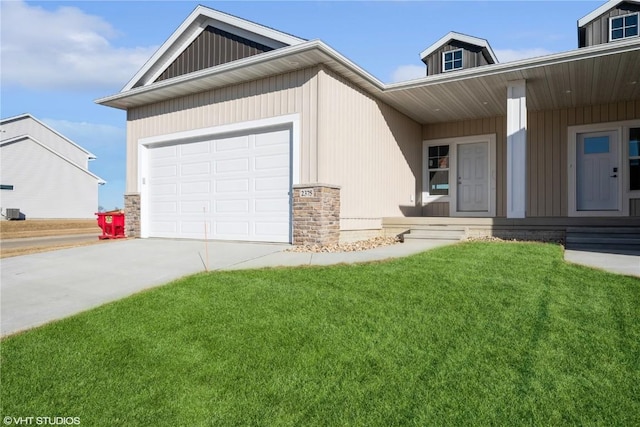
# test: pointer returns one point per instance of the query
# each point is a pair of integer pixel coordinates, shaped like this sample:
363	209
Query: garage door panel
194	149
191	169
271	206
195	187
195	207
232	144
232	206
232	166
232	185
240	185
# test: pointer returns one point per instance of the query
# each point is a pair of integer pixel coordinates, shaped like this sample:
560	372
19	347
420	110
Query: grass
474	334
46	227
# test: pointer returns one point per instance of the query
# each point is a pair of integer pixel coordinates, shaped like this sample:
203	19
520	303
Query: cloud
63	49
509	55
408	72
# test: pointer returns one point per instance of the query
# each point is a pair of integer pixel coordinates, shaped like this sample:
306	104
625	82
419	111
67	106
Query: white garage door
237	186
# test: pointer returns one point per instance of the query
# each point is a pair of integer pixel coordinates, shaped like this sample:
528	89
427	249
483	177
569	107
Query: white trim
602	10
233	24
516	149
144	144
622	130
611	18
453	60
452	35
452	198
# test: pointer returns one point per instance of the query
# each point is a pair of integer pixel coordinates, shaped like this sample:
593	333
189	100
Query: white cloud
63	49
408	72
509	55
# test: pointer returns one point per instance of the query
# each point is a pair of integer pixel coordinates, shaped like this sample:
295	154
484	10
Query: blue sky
57	57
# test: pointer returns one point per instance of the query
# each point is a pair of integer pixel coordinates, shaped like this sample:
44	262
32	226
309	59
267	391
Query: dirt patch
27	250
47	227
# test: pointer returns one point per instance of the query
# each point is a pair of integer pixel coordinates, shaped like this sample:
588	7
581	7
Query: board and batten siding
289	93
372	151
597	31
212	47
489	125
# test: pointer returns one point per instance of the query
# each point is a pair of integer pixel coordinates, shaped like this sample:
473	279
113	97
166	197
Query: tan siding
547	151
490	125
634	207
371	150
294	92
436	209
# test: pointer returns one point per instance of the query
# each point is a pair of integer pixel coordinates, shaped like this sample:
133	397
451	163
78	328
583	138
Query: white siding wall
371	150
31	127
45	185
289	93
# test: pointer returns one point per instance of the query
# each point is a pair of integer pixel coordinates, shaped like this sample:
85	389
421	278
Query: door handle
613	176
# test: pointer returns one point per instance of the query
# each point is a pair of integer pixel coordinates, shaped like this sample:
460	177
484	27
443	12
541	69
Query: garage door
237	186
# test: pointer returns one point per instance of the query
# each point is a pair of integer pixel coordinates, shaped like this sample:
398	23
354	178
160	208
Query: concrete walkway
39	288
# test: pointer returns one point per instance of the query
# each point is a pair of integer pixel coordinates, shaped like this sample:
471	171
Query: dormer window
623	27
452	60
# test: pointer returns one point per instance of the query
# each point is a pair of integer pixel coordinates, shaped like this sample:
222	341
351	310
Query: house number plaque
306	192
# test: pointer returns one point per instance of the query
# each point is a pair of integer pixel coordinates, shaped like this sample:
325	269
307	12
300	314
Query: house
44	174
264	136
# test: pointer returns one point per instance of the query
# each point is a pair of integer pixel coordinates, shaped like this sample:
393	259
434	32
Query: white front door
473	177
597	171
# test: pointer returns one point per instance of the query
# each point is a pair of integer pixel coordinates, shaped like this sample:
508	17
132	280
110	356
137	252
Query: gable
594	29
212	47
473	52
189	48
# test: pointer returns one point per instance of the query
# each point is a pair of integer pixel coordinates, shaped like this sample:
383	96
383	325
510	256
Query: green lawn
473	334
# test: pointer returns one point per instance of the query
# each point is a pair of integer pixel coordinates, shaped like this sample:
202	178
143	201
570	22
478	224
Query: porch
607	234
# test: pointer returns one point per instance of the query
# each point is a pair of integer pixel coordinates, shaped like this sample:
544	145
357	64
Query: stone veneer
316	214
132	214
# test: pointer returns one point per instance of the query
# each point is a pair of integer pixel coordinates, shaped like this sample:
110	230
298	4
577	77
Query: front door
597	172
473	177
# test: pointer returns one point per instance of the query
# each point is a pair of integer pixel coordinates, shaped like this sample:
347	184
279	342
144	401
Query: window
6	187
623	27
452	60
439	170
634	159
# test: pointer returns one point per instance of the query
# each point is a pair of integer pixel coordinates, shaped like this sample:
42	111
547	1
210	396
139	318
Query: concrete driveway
38	288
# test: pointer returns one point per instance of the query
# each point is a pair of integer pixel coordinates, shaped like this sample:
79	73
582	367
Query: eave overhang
594	75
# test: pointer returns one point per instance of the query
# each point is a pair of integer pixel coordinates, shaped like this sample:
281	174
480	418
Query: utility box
112	225
13	213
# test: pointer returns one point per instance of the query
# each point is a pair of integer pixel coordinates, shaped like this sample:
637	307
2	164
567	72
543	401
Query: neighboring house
268	137
44	174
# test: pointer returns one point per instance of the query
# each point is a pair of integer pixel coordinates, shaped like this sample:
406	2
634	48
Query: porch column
516	148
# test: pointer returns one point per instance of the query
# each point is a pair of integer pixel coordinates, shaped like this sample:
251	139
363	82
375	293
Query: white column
516	148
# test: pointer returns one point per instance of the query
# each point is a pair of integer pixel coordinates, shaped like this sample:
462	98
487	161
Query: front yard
473	334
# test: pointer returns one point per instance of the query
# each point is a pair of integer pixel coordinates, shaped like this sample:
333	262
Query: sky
58	57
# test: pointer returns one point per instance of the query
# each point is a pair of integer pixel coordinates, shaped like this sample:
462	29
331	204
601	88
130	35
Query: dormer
614	21
208	38
455	52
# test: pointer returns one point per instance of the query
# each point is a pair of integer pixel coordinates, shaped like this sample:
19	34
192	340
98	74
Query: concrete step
603	230
604	240
435	234
615	249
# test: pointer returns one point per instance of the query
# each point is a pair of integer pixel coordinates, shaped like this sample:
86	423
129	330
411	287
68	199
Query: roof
21	138
603	9
554	81
29	116
192	27
452	35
